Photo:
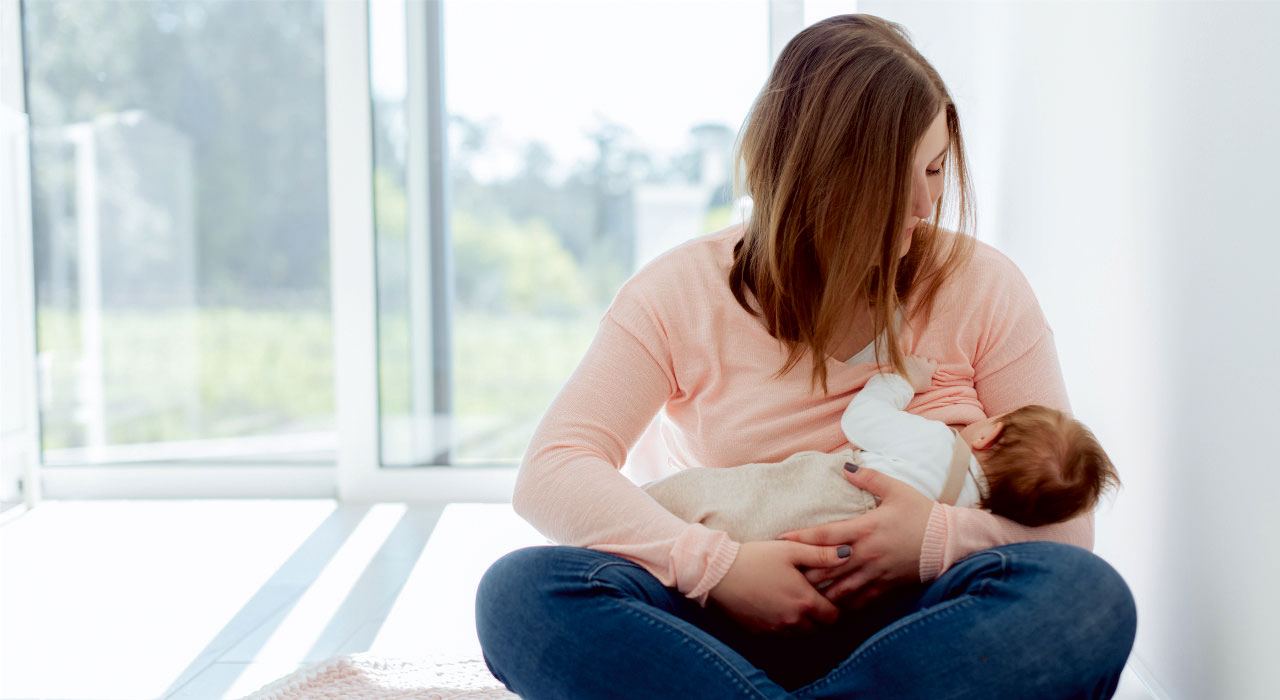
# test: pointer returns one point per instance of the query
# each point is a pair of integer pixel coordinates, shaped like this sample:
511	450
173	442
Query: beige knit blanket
761	501
369	677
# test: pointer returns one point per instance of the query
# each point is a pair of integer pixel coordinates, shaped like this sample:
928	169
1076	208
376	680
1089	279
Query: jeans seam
590	576
1004	572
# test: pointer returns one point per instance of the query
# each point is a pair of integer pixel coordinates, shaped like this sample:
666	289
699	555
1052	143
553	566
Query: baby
1033	465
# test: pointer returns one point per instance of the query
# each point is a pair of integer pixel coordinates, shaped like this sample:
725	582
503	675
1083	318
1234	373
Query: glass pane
181	229
583	138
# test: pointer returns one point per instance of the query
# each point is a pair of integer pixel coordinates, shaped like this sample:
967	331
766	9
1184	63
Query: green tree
507	267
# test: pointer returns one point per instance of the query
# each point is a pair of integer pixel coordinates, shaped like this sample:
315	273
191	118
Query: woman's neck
859	333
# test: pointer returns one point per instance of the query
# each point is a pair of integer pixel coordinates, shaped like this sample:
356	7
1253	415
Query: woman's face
926	174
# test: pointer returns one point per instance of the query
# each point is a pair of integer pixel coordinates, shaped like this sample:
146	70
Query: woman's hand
886	542
765	589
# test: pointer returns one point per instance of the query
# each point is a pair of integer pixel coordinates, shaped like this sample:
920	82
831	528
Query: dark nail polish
850	467
843	551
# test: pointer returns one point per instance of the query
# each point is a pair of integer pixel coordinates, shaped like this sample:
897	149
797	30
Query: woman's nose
921	202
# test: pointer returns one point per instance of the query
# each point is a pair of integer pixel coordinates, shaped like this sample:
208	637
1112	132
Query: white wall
1127	157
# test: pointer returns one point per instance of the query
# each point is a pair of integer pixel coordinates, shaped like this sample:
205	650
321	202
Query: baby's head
1044	467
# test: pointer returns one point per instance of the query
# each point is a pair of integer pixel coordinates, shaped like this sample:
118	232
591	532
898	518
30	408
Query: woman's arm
569	486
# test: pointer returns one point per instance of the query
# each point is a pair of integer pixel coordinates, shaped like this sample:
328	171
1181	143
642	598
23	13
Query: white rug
370	677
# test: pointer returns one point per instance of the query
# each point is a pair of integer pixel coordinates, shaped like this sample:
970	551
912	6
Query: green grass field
225	372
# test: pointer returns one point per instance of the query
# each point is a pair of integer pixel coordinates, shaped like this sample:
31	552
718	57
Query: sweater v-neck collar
868	354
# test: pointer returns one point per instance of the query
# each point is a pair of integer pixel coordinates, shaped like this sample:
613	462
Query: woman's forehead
936	140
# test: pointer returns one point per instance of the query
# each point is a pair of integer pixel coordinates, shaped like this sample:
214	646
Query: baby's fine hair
1045	467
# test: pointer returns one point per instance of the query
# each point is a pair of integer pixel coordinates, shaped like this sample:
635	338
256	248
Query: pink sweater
676	338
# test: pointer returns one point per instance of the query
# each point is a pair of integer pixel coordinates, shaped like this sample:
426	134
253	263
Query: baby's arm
876	418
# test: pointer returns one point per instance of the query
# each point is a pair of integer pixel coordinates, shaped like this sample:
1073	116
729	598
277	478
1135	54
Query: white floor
214	599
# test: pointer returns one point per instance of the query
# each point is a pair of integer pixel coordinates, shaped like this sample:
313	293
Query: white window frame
19	415
351	220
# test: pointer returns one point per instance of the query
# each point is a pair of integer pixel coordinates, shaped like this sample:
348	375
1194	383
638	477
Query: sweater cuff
726	551
934	544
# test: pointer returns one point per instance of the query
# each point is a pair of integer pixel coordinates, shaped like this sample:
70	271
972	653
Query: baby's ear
987	437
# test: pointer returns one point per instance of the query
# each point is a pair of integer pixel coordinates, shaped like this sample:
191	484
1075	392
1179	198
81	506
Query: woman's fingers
881	486
850	530
847	589
817	575
831	534
883	545
819	557
888	553
765	590
823	611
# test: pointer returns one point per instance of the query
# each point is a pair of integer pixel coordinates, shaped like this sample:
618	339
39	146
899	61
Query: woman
753	340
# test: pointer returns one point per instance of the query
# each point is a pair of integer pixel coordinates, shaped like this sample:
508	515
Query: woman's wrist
933	546
718	564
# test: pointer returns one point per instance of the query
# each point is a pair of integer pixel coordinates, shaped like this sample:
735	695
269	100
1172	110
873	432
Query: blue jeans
1032	620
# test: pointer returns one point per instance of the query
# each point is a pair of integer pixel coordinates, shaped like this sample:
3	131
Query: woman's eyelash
933	172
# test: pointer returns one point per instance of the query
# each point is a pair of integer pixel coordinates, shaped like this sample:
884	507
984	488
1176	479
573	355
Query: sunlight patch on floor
113	599
435	612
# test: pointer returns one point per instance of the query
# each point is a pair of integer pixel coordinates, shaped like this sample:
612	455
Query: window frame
19	440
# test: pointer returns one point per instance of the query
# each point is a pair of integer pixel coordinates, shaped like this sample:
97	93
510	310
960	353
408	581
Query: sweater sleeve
569	485
1019	366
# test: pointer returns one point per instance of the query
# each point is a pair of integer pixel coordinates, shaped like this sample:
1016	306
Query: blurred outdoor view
179	177
181	227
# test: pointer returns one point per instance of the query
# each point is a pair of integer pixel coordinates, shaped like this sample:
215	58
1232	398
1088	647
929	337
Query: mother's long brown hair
826	156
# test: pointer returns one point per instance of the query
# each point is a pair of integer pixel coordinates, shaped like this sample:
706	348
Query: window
581	140
181	229
528	158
